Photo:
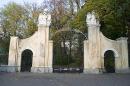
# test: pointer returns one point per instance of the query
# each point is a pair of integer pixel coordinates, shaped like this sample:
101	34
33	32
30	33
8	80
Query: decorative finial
91	19
44	19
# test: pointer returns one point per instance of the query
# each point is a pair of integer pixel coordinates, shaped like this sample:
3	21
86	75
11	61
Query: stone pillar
50	60
13	55
129	46
124	57
46	47
92	61
86	56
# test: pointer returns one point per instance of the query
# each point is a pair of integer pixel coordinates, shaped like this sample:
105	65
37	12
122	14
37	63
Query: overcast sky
4	2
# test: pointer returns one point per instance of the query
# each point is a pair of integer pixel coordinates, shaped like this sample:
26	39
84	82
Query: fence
3	59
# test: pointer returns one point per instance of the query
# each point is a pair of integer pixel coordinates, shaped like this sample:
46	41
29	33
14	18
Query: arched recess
109	61
26	60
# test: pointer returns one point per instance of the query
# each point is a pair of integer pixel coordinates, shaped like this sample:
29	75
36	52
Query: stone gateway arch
96	46
42	49
40	46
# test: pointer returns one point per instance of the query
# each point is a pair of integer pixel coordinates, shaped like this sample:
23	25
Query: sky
5	2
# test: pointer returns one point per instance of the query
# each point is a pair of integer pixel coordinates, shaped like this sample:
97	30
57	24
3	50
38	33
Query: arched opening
26	61
109	61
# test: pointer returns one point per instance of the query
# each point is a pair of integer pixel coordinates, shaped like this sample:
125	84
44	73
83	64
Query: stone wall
94	50
39	44
96	46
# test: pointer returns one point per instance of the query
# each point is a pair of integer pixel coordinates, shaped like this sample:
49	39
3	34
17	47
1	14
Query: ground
34	79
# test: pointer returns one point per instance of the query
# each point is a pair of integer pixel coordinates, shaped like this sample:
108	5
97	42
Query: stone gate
40	46
96	46
42	49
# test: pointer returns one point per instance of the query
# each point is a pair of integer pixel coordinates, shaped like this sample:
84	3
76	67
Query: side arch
26	60
114	51
109	61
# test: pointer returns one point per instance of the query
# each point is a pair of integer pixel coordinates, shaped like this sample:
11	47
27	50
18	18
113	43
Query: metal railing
3	59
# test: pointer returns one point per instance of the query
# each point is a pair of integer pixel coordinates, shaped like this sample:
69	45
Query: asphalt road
33	79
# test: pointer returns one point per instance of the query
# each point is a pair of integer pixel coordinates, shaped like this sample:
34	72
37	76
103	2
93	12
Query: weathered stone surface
94	49
38	43
97	44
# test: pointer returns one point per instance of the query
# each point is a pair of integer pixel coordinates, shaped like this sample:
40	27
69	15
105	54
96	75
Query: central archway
109	61
26	60
68	51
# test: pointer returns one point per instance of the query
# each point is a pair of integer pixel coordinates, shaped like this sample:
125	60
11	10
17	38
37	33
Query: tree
63	11
113	16
18	20
31	17
25	21
12	24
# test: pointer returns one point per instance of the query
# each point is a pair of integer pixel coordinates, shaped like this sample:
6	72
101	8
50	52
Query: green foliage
17	20
79	22
114	16
31	27
68	55
4	52
12	18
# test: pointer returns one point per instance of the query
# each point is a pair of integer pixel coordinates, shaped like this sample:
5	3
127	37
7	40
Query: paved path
33	79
